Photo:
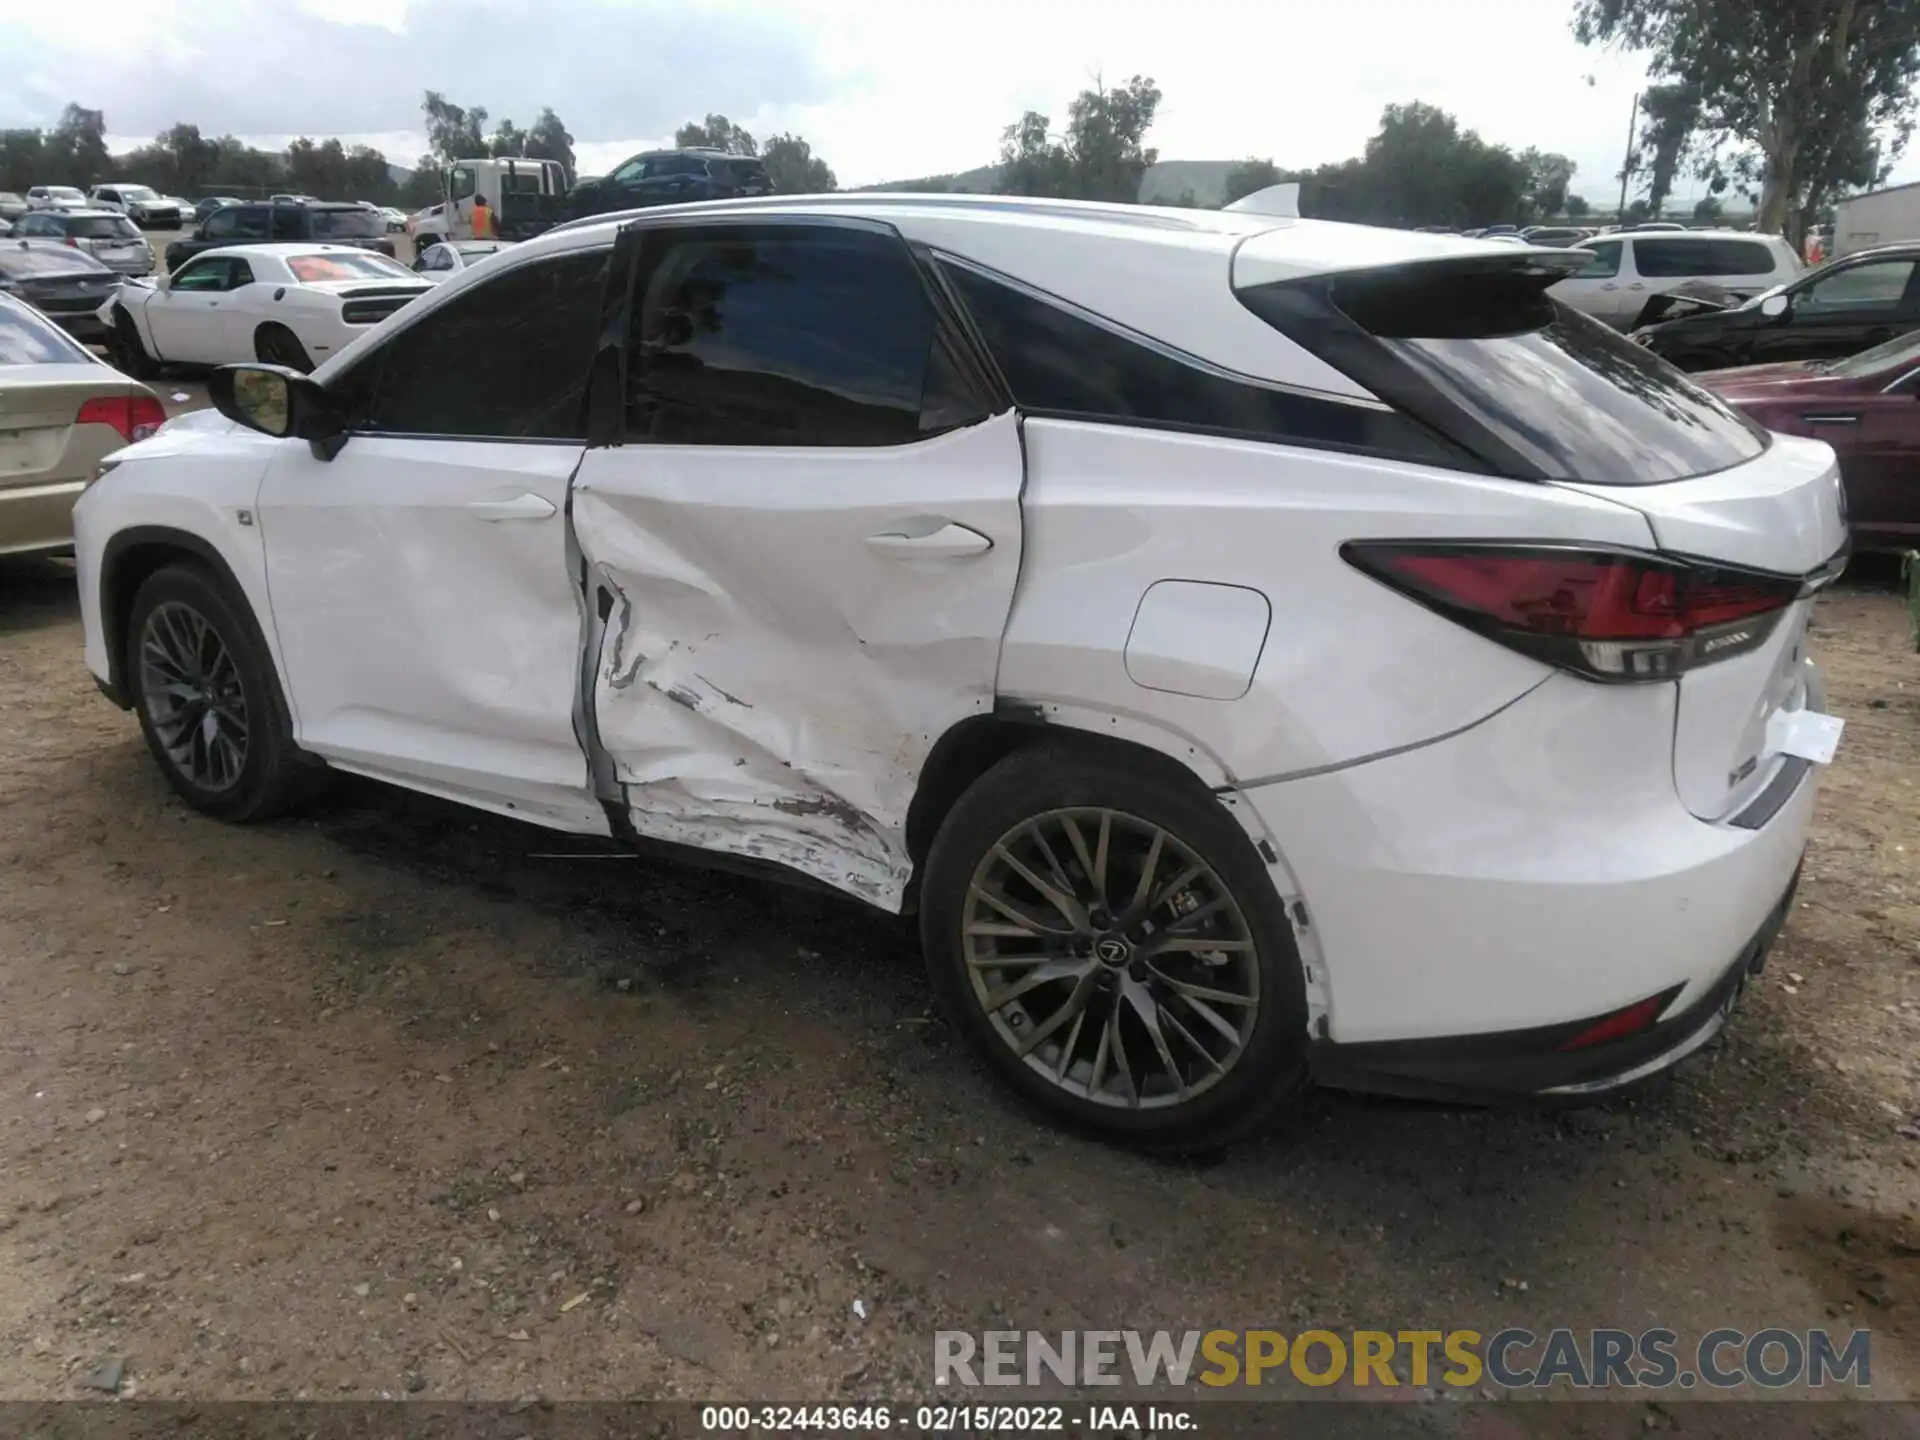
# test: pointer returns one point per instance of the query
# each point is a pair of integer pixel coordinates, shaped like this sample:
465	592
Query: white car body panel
1112	511
774	671
222	469
428	640
1470	829
1485	846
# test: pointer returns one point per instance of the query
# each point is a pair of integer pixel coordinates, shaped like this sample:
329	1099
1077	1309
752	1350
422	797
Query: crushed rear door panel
766	680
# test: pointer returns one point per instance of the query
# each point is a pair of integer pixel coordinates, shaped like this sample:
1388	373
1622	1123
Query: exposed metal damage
752	683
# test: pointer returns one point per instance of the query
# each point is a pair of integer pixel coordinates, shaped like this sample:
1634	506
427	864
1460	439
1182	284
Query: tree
1106	131
426	185
22	159
1032	161
1247	177
1102	155
1421	168
1670	115
1707	210
716	133
1774	75
75	150
454	133
1576	207
794	169
1548	176
317	169
549	140
509	141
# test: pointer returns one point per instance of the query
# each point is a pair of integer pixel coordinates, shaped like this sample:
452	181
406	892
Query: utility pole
1626	165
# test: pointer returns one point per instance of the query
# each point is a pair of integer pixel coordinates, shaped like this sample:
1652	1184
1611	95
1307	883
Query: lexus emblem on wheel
1111	950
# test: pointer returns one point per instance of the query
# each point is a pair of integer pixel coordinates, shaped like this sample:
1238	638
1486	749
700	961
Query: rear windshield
1536	389
355	224
101	227
346	267
25	339
51	258
740	172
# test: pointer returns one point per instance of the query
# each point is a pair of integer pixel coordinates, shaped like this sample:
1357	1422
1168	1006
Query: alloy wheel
1110	958
192	692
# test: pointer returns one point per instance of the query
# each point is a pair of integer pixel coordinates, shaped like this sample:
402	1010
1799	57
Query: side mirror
1774	306
163	282
279	402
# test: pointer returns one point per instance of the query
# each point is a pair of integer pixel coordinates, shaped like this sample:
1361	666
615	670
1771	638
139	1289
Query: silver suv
107	235
142	204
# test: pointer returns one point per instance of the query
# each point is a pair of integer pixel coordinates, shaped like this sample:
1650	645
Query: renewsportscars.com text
1516	1359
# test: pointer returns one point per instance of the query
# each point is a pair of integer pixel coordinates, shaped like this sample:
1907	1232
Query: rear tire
209	702
129	350
1227	1000
277	345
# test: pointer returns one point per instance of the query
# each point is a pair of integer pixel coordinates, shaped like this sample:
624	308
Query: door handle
521	507
1610	286
949	541
1636	286
1840	417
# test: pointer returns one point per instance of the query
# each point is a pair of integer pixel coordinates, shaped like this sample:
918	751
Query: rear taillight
135	417
1606	614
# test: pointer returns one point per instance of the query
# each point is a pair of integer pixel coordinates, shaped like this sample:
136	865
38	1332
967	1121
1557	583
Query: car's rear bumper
1538	1063
1467	900
38	519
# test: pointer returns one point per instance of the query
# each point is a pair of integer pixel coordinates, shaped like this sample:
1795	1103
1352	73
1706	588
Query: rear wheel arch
126	562
975	745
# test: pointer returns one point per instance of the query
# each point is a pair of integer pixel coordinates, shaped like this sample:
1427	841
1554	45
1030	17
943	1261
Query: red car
1868	408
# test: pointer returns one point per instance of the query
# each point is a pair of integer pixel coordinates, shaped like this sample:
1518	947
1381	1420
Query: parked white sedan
1257	648
287	304
440	262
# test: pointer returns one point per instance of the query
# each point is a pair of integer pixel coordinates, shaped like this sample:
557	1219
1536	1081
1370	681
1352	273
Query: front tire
1110	943
209	703
277	345
129	350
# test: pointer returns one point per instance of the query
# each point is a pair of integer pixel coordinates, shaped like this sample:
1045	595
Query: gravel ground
384	1099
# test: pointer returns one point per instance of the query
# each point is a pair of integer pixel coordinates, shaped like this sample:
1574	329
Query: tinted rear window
355	224
1060	363
102	227
1536	389
20	263
1682	259
740	172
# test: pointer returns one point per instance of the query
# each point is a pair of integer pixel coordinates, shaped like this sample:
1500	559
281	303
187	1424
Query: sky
883	89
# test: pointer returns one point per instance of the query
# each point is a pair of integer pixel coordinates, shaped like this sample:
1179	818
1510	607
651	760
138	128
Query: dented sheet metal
764	681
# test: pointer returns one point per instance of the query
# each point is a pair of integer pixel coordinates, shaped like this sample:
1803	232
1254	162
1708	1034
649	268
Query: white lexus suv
1259	650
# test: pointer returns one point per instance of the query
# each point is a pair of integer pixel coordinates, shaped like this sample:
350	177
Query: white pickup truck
525	196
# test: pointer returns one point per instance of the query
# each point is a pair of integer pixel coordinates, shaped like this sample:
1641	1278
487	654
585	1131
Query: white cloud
884	89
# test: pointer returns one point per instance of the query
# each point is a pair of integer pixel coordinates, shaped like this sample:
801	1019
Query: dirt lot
386	1100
